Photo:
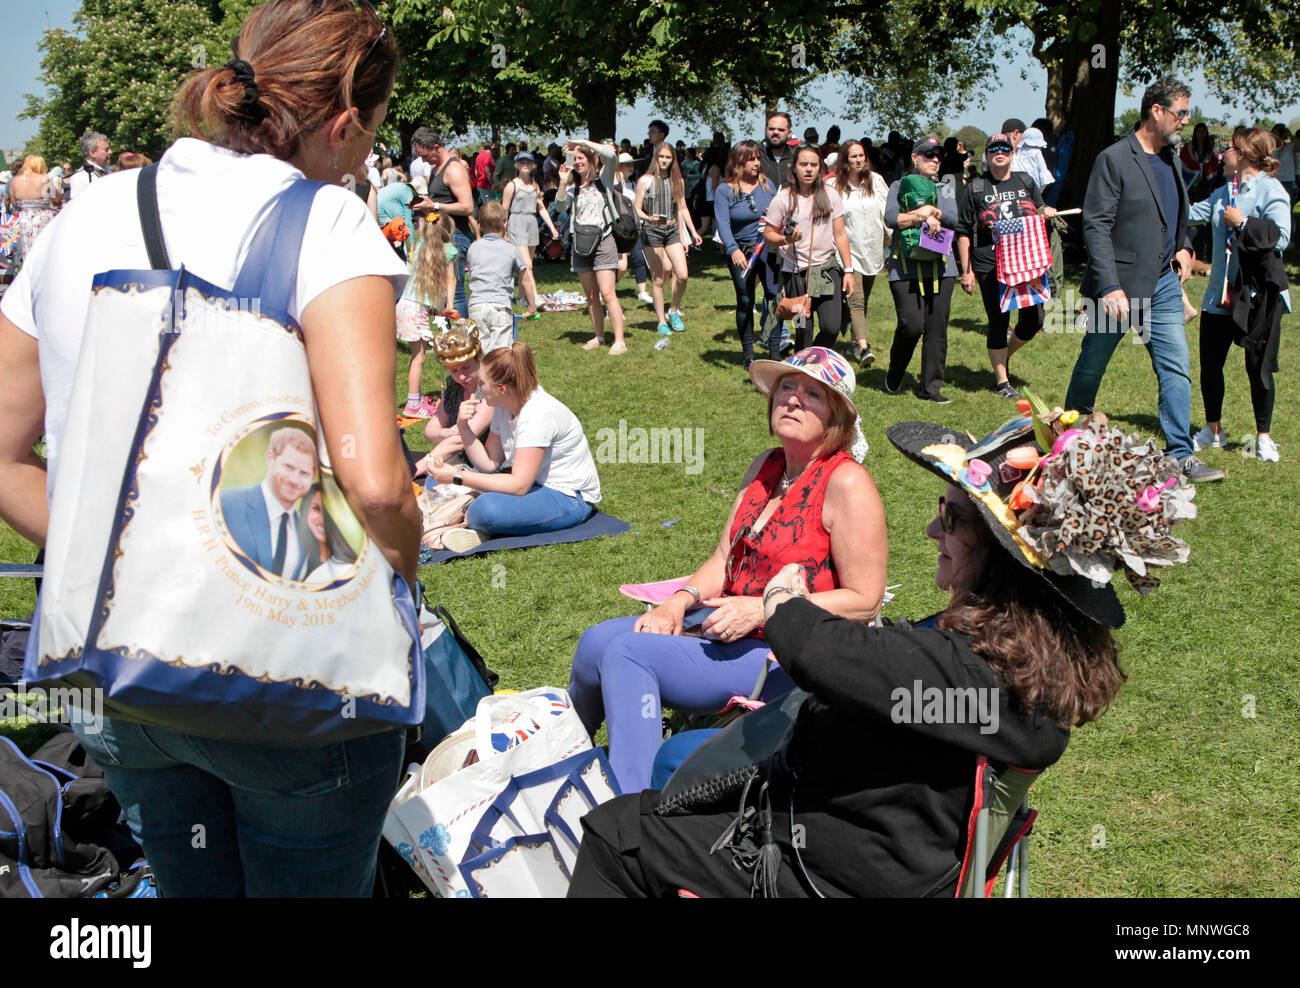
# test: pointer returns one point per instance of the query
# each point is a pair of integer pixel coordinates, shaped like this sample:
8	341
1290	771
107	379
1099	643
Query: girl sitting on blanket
535	470
458	350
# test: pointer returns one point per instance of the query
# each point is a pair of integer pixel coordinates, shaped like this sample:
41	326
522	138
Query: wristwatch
457	479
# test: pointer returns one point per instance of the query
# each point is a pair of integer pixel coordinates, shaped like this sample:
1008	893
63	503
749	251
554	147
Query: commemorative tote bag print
203	567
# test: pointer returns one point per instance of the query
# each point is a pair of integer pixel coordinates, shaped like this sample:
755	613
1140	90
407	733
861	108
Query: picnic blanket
561	302
597	525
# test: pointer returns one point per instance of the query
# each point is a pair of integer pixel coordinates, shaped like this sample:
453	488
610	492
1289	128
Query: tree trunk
1082	80
600	110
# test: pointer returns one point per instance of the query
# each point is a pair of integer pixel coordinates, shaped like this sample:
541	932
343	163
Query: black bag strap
146	196
488	676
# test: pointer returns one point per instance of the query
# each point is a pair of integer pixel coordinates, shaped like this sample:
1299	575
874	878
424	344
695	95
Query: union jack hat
824	366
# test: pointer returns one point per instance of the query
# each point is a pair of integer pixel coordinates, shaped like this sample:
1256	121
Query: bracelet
694	592
767	594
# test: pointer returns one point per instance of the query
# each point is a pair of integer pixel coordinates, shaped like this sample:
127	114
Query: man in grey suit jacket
263	519
1139	255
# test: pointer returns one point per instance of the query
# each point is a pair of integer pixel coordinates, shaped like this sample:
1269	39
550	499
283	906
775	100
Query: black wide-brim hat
1096	601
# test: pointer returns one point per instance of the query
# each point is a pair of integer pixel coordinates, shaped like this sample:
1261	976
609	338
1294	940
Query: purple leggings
625	678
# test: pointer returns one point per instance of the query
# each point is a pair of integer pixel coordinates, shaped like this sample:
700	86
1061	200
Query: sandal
594	342
618	348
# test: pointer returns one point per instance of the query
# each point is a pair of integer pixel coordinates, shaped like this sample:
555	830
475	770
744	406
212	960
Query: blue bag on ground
456	678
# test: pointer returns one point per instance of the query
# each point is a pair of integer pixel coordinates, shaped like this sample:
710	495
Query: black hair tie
249	109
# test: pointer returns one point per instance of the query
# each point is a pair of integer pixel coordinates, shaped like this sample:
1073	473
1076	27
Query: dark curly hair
1058	662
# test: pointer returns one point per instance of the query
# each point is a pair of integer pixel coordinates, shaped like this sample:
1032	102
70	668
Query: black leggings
1217	334
1027	326
829	310
921	312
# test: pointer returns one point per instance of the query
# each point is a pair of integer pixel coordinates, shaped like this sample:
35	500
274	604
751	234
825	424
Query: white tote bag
505	825
194	426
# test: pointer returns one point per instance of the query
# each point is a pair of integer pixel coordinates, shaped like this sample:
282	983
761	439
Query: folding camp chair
998	830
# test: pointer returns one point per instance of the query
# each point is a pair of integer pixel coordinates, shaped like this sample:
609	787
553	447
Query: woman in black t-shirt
998	194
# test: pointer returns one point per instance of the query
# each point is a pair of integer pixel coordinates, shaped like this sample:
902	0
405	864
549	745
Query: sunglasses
949	519
374	45
932	155
1180	114
740	549
999	149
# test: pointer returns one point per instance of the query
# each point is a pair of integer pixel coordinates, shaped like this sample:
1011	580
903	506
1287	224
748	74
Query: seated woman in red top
805	502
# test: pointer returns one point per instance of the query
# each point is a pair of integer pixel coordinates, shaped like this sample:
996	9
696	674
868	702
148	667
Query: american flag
1023	260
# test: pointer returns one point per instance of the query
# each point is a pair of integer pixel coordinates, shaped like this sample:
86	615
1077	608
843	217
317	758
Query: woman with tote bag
216	816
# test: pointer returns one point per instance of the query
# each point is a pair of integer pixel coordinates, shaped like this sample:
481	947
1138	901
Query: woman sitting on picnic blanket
884	791
550	482
806	501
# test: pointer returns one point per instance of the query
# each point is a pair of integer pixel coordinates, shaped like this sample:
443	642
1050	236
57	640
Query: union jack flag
1024	257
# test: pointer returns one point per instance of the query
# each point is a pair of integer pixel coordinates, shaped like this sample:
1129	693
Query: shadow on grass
1147	424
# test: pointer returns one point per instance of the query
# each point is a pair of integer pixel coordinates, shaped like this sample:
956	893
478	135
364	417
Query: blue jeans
542	509
746	284
218	819
1163	331
636	258
625	678
462	243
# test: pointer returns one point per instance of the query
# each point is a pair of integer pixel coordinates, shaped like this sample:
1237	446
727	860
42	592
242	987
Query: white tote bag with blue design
203	567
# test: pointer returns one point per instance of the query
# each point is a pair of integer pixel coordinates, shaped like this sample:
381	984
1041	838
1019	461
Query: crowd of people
433	256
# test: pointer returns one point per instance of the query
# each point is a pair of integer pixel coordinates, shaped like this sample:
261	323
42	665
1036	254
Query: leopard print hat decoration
1070	498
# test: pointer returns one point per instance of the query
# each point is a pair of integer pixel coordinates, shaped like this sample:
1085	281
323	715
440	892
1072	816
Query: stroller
553	248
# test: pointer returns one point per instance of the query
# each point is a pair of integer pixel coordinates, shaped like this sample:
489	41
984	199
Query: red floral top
794	533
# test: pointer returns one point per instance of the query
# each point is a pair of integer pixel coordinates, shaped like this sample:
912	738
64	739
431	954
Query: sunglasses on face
932	155
949	519
999	149
1180	114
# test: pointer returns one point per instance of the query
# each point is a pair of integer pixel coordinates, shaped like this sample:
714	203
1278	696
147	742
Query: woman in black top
880	781
998	194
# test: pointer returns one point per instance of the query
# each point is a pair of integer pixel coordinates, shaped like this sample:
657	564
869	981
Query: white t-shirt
208	200
546	423
82	179
420	169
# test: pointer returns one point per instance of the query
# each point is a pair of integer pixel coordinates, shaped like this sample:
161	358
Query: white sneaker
462	539
1207	438
1266	449
645	297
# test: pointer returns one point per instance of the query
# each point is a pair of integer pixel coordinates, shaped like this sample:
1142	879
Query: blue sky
1011	96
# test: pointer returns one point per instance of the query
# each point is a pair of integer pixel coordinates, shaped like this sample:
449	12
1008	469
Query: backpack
623	226
915	191
61	835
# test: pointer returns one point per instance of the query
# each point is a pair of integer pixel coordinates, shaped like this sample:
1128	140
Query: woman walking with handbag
738	207
864	194
594	254
666	228
304	96
806	221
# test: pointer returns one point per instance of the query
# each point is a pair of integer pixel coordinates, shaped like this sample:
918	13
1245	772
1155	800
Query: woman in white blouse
864	194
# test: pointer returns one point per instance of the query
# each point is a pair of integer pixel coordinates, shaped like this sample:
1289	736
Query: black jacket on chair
1124	224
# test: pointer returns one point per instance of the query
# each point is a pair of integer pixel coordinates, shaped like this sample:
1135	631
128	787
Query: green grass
1194	798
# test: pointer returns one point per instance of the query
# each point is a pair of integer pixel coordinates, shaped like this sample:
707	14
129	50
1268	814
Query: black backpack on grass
61	835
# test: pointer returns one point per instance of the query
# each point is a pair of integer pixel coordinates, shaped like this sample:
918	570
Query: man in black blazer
1139	255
